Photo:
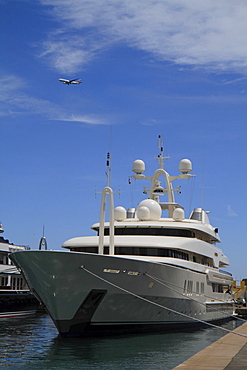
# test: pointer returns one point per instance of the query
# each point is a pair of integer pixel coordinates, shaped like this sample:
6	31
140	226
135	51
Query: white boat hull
17	314
88	293
17	303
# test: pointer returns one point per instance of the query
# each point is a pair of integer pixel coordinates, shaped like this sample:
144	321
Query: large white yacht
16	300
143	270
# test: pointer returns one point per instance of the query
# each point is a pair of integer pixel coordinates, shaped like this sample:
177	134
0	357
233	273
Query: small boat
146	269
16	300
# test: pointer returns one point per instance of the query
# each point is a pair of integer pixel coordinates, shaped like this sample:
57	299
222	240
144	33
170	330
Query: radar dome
119	213
185	166
153	207
138	166
178	214
143	213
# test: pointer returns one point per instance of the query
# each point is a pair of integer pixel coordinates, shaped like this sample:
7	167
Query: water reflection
33	343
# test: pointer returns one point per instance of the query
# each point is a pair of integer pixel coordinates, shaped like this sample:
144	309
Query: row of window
14	283
155	231
188	287
159	231
152	252
199	288
220	288
138	251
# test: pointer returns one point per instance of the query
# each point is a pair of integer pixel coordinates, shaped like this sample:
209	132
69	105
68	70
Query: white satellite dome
119	213
185	166
178	214
138	166
143	213
153	207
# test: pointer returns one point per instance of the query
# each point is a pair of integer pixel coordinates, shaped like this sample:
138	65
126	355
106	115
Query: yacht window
205	237
185	281
190	287
157	231
197	258
4	282
137	251
218	288
197	287
156	252
145	251
85	249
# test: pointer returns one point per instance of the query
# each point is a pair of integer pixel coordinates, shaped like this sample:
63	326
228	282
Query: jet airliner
75	81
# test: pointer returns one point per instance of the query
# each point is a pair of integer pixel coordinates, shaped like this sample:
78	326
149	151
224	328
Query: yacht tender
141	272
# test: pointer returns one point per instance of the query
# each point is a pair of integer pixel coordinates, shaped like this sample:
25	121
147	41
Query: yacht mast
156	189
108	169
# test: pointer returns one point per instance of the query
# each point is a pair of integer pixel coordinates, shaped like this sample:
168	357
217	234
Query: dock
228	352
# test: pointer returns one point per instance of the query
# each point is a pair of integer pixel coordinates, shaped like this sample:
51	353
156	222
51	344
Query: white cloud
231	212
12	97
89	119
16	102
236	80
200	33
69	52
149	122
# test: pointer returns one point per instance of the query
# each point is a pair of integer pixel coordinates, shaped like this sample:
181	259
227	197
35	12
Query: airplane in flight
75	81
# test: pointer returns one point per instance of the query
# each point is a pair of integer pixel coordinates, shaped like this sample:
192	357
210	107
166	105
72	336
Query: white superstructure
15	297
10	277
142	271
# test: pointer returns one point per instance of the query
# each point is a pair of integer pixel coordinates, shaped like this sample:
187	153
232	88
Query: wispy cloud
14	101
209	34
68	52
90	119
231	212
150	122
12	97
235	81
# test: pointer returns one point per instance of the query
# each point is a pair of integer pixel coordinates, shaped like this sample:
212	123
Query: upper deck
145	232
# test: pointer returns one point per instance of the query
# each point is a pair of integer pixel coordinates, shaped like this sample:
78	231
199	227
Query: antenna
203	174
108	169
161	149
108	173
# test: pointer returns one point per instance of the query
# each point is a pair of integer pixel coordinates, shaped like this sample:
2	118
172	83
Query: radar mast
156	190
161	154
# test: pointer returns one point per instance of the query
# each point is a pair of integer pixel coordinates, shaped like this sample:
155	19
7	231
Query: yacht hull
89	294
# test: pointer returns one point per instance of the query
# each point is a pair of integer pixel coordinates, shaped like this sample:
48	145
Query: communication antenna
161	154
108	169
203	176
108	174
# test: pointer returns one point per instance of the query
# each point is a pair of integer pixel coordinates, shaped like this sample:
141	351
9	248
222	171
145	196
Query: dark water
33	343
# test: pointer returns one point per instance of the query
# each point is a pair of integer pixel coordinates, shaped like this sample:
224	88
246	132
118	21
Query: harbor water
33	343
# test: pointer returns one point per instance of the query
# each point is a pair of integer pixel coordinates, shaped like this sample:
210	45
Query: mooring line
161	306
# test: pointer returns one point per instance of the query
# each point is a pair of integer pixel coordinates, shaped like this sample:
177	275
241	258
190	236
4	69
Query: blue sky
173	68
